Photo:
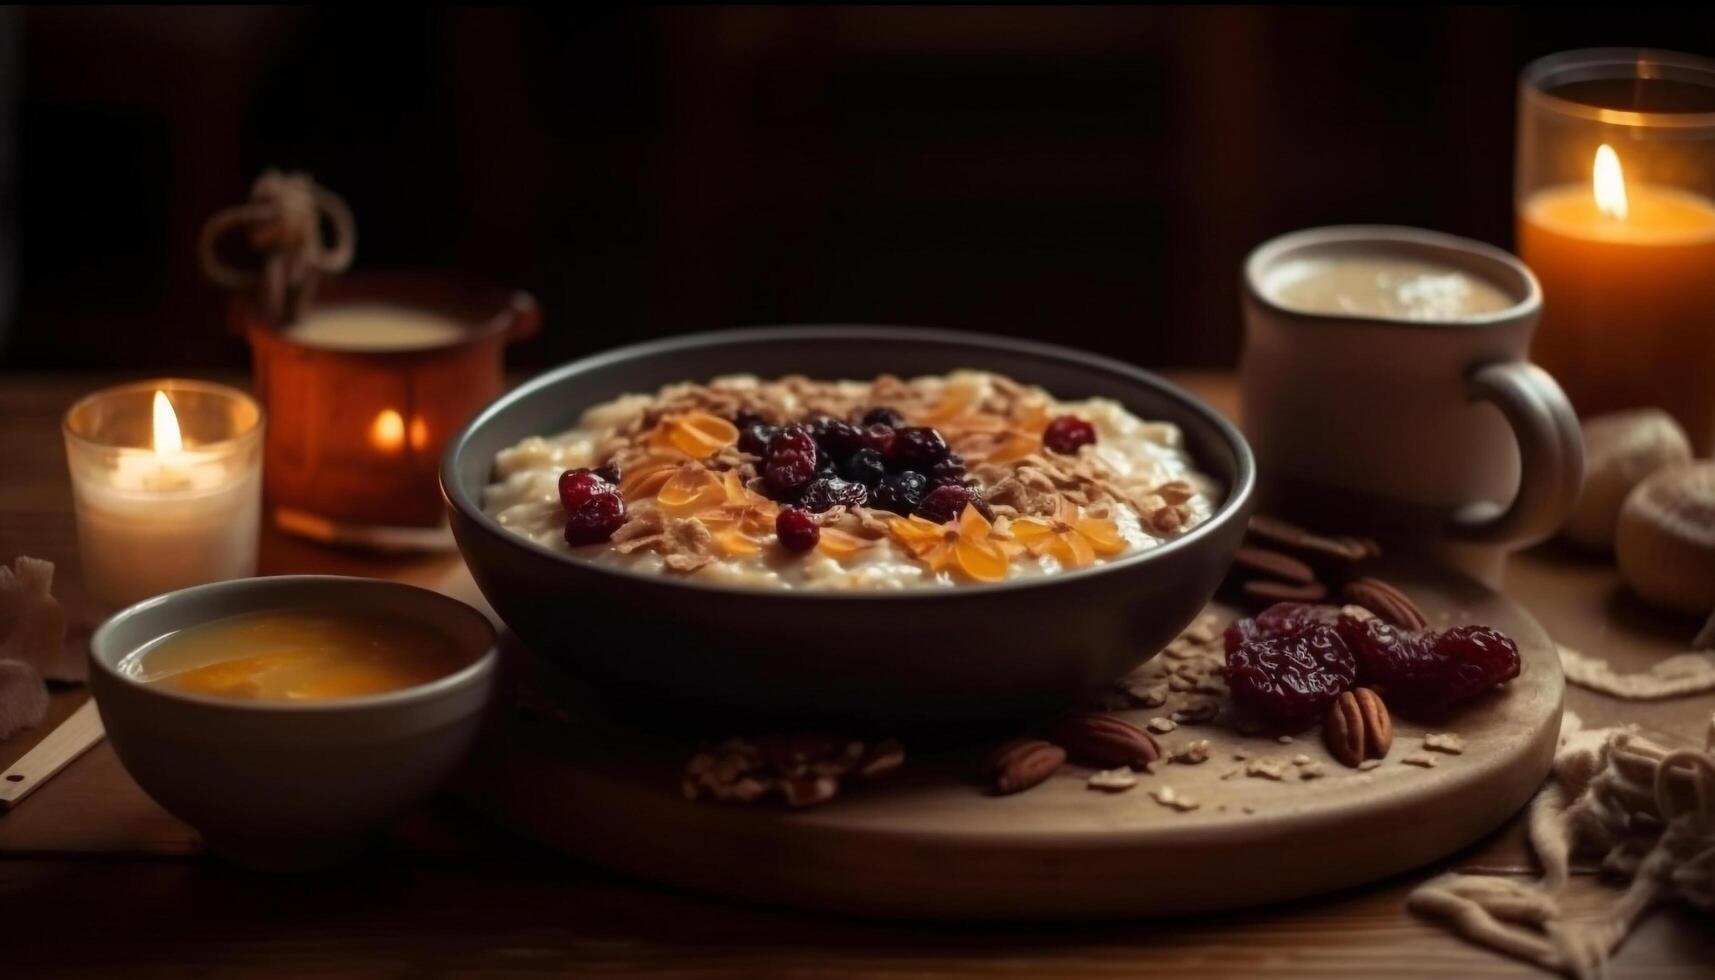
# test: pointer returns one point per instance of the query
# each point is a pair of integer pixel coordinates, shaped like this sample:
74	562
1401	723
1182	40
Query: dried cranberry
1425	673
577	486
826	492
864	466
797	529
841	439
792	439
595	519
754	438
1066	434
944	504
879	438
980	502
882	415
786	473
818	425
1280	619
917	447
948	472
901	492
1287	682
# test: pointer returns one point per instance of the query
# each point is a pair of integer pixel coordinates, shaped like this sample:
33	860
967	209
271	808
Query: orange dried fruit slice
1015	447
955	400
982	560
698	435
839	544
735	544
647	478
1102	534
691	488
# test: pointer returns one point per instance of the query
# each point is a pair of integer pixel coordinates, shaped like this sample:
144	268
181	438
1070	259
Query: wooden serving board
928	841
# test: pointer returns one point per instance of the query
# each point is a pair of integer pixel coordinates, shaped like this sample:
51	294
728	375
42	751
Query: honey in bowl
297	655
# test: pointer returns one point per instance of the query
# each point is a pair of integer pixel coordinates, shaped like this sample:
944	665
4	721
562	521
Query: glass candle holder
166	478
1615	198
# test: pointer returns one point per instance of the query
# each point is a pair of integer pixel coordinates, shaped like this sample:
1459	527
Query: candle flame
387	432
167	438
1609	183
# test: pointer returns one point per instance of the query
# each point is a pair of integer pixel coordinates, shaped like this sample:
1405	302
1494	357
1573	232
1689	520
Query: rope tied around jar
282	223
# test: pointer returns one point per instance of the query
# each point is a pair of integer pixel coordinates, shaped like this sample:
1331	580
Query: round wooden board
928	841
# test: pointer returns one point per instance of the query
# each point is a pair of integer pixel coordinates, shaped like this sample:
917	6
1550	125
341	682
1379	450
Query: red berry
840	439
944	503
1425	673
754	438
786	473
1067	433
797	529
879	438
917	447
595	519
1287	682
826	492
1278	620
793	440
883	415
577	486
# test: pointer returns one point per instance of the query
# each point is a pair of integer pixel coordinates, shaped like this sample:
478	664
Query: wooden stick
73	738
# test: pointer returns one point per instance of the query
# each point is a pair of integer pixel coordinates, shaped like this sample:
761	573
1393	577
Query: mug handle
1551	455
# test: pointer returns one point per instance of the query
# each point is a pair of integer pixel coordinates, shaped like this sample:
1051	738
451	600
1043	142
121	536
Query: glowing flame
387	432
1609	183
167	438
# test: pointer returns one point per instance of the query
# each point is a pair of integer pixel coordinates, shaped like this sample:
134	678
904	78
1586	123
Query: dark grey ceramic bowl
895	658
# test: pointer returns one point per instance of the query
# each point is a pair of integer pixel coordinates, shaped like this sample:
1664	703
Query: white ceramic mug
1430	435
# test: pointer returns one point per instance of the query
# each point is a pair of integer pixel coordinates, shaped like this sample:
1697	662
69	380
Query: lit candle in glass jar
1616	216
166	479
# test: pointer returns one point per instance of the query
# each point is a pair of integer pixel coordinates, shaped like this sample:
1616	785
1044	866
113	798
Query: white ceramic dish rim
1398	239
403	697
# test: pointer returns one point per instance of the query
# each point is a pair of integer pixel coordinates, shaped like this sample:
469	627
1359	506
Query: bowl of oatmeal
861	524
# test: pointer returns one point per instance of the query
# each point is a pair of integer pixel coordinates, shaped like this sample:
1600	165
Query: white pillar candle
167	482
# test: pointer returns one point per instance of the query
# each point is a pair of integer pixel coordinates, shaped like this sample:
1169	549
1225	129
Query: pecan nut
1267	561
1023	763
1386	601
1271	591
1315	547
1358	727
1104	741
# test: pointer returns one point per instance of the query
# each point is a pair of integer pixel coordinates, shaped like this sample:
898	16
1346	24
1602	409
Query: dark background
1091	175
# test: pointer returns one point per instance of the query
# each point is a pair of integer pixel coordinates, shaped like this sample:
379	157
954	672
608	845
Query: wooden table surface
95	880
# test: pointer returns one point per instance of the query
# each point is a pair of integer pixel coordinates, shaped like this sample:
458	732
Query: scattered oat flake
1265	769
1284	740
1423	759
1193	752
1447	742
1165	796
1161	726
1241	754
1196	712
1148	695
1300	759
1230	773
1248	809
1112	780
1312	770
1368	764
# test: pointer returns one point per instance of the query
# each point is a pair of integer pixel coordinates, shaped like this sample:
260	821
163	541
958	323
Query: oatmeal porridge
884	484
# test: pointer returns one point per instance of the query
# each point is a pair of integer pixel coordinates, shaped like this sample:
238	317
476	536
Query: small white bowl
279	785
